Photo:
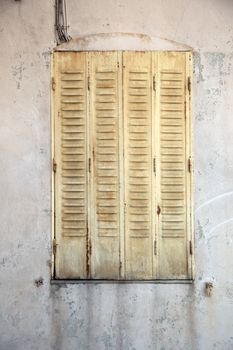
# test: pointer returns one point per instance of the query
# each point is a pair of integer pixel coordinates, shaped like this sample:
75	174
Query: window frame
190	185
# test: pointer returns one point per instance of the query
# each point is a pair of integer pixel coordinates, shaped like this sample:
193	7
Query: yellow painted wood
172	167
122	187
52	67
189	154
105	123
138	160
70	154
156	160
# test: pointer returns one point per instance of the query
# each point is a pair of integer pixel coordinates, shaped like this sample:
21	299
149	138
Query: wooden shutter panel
174	177
115	218
70	110
106	115
139	231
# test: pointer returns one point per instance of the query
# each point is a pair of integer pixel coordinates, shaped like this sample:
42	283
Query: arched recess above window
121	41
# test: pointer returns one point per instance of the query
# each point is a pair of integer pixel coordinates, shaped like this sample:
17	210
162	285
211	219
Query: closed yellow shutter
105	143
138	159
70	153
122	179
173	171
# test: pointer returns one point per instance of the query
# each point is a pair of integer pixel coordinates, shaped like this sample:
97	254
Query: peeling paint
17	72
198	67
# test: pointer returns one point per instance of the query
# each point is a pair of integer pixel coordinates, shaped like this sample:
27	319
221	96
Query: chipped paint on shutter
138	164
105	109
70	123
172	167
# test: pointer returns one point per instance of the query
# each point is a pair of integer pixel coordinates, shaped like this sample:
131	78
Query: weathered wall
112	316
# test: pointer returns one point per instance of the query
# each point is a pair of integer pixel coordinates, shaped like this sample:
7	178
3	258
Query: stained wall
112	316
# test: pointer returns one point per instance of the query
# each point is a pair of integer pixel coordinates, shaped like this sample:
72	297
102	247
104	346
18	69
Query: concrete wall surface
112	316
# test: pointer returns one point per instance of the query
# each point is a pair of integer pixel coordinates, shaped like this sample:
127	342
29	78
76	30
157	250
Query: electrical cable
61	27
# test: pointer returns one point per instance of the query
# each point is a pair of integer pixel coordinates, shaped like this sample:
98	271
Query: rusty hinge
154	83
190	164
54	246
53	84
158	210
54	166
189	84
154	165
191	247
89	165
88	82
90	247
155	247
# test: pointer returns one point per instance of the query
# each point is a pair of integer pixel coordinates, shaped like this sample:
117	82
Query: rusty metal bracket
54	246
190	164
155	247
154	83
54	166
191	247
189	84
154	165
53	84
158	210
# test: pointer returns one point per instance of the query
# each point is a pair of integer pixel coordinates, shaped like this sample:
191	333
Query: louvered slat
73	154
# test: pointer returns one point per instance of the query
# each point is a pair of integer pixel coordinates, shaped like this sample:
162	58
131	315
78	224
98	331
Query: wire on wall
61	27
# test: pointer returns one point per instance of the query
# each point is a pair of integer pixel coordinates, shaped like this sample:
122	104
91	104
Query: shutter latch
155	247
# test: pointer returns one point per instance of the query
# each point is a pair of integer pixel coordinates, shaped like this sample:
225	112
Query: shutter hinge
158	210
190	164
191	247
88	83
154	165
54	166
53	84
54	246
154	83
155	247
189	84
89	165
90	247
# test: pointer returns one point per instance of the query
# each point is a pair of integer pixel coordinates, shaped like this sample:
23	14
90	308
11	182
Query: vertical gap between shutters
158	175
121	167
123	156
89	171
53	175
